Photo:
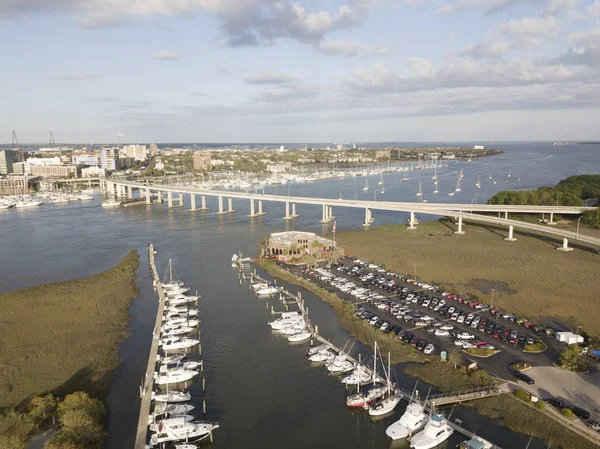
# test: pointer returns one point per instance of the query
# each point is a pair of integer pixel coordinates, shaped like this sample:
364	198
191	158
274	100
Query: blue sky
300	71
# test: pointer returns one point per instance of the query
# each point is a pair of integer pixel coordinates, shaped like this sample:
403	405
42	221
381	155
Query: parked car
556	403
525	378
580	412
595	425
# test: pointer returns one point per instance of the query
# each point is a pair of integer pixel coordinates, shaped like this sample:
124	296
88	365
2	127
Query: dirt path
38	441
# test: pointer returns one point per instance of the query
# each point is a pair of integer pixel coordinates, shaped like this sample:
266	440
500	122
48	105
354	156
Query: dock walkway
148	379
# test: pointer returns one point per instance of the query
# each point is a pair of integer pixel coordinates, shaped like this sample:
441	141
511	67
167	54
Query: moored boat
436	431
413	420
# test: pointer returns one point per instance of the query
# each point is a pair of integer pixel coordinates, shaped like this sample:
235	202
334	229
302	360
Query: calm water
262	390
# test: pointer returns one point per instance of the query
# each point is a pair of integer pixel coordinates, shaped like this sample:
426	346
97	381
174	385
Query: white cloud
166	56
458	6
557	7
489	48
530	32
76	76
589	13
585	50
271	78
344	48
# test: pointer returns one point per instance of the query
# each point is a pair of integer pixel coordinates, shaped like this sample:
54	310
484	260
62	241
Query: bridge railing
485	390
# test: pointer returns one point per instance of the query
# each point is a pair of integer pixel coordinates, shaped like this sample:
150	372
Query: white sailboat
298	337
322	356
420	192
478	183
359	399
413	420
172	396
436	431
380	180
509	173
366	187
458	185
462	175
405	177
490	174
388	403
178	430
434	177
358	377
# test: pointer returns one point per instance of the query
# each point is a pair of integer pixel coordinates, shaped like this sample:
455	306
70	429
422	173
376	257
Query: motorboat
172	396
181	290
358	377
436	431
296	328
281	323
385	405
340	365
111	203
172	322
258	285
174	343
171	358
188	364
185	446
153	424
325	355
362	399
413	420
169	411
267	291
175	376
475	443
299	336
181	311
314	349
175	430
177	330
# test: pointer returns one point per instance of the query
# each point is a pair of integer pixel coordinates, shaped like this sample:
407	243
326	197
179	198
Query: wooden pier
439	400
147	382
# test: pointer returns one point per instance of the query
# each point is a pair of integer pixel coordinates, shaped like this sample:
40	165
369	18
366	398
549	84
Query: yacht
178	430
175	321
475	443
324	356
314	349
340	365
188	364
175	343
436	431
180	300
111	203
478	183
282	323
174	310
458	189
153	424
358	377
27	203
177	330
413	420
303	335
259	285
267	291
295	328
175	376
172	396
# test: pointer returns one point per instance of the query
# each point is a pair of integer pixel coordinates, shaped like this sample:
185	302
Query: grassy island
63	337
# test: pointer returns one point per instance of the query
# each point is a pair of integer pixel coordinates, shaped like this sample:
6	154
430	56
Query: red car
481	343
496	334
461	299
474	304
451	296
529	324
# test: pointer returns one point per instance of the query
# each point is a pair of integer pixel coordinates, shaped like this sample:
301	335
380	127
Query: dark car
421	345
407	337
401	334
555	403
579	412
525	378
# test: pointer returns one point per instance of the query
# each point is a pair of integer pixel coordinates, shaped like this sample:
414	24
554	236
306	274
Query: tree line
572	191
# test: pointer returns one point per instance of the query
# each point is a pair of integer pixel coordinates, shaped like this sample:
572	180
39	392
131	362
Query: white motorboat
413	420
172	396
111	203
281	323
30	203
299	336
259	285
178	430
180	321
177	330
181	290
436	431
358	377
188	364
175	376
170	411
267	291
181	311
171	358
420	192
153	424
475	443
362	399
340	365
296	328
324	355
175	343
314	349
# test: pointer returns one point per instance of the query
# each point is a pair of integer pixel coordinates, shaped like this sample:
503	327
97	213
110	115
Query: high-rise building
202	160
7	159
137	152
110	158
153	149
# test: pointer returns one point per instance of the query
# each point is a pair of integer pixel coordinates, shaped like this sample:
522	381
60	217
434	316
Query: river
263	391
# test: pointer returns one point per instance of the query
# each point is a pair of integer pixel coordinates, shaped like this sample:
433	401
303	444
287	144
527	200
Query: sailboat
509	173
413	420
405	177
389	403
179	430
382	189
366	187
381	180
478	183
490	174
436	431
462	175
359	399
172	396
436	187
458	185
434	177
420	192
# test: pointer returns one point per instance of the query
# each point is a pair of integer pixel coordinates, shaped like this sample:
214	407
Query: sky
274	71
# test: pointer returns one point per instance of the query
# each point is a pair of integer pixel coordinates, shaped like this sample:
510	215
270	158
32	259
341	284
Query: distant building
54	171
110	159
202	160
89	160
153	149
15	185
55	149
8	158
340	146
158	164
293	246
280	167
449	156
137	152
383	154
478	147
93	172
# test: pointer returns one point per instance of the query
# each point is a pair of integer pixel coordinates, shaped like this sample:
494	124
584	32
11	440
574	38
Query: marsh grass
64	337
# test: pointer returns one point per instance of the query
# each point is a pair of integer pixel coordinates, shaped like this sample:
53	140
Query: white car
382	305
459	342
465	336
441	333
446	327
467	345
429	349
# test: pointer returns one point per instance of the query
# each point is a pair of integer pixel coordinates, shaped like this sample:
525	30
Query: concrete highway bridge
460	212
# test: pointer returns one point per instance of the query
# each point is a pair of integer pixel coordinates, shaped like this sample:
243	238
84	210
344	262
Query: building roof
290	237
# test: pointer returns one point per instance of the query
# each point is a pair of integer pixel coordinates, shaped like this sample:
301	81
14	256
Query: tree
570	358
80	418
42	408
592	218
455	358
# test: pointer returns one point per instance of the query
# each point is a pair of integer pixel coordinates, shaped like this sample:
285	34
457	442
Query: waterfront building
383	154
53	171
137	152
478	147
202	160
16	185
8	158
298	247
55	149
280	167
93	172
153	149
110	158
89	160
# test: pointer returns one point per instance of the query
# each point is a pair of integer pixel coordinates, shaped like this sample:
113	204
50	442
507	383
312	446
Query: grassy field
64	337
529	276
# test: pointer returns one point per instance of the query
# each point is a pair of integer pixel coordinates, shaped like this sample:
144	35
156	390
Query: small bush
540	405
523	395
568	413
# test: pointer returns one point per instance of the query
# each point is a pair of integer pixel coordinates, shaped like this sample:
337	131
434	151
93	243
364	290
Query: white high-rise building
138	152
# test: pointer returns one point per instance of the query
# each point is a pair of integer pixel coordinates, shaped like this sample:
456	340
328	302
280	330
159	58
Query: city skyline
312	71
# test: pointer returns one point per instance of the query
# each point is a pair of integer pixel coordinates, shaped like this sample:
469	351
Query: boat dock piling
148	379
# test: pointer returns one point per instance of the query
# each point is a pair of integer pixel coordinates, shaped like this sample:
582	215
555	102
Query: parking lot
432	320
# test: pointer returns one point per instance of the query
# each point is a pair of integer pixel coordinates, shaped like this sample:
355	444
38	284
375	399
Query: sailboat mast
389	375
170	271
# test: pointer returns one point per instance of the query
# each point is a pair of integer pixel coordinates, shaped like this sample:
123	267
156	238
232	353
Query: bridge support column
324	219
294	214
230	206
368	221
287	211
411	224
192	202
130	192
169	199
459	231
203	203
330	213
260	211
148	200
510	237
506	215
220	199
565	247
252	212
551	222
180	200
